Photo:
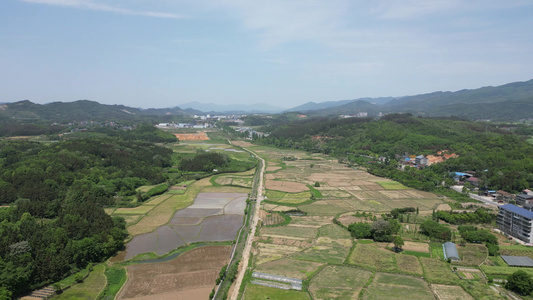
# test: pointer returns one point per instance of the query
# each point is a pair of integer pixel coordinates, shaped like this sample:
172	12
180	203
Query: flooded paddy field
212	217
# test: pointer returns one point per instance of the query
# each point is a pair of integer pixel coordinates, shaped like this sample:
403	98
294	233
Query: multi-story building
516	222
522	199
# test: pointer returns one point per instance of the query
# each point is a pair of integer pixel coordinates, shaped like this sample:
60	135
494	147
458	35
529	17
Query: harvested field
392	185
450	292
270	252
289	268
418	247
199	136
394	286
338	282
346	220
325	208
257	292
316	221
290	232
242	144
286	186
444	206
189	276
273	168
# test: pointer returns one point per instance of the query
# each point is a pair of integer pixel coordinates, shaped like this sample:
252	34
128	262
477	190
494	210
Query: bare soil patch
199	136
242	144
445	292
418	247
445	207
191	274
286	186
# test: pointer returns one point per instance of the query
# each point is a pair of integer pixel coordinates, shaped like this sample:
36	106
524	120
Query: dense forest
500	158
57	224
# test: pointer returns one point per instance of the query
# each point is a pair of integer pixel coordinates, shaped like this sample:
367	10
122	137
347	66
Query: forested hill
56	223
82	110
503	160
509	102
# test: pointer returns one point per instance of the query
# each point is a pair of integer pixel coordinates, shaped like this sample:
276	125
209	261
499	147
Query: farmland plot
370	256
394	286
189	276
338	282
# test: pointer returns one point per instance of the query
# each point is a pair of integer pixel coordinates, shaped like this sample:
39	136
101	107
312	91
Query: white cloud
92	5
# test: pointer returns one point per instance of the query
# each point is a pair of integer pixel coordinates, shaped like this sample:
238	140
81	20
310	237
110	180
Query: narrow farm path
234	293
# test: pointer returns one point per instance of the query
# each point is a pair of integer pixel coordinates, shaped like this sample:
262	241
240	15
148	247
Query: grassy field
472	254
516	250
116	277
503	270
257	292
437	271
409	264
392	185
477	289
436	250
338	282
394	286
334	232
371	257
89	288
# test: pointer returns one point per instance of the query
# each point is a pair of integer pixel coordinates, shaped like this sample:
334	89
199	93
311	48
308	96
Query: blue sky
162	53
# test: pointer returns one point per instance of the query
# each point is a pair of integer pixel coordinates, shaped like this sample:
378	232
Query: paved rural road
248	247
486	200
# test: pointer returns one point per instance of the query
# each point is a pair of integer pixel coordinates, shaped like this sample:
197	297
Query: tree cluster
480	216
436	231
379	230
472	234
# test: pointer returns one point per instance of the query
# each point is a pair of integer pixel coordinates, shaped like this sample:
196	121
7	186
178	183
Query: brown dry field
242	144
449	292
418	247
189	276
200	136
286	186
444	206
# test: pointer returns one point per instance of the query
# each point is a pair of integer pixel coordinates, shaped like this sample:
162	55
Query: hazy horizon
159	54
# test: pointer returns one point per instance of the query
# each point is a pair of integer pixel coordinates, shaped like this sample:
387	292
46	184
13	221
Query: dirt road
234	293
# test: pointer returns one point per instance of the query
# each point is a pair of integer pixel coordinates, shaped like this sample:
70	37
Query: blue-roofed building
516	222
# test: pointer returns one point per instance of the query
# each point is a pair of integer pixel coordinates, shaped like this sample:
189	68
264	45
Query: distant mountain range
513	101
81	110
232	108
